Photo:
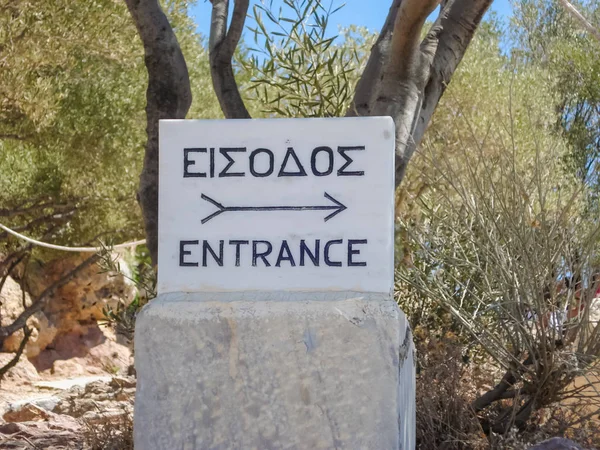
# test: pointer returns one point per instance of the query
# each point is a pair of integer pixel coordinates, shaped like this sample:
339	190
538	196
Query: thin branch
38	303
16	137
222	45
13	362
57	207
581	19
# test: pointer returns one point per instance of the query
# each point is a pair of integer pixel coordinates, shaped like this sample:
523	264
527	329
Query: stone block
274	370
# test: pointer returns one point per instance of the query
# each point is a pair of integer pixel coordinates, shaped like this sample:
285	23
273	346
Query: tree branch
406	58
17	137
13	362
38	303
404	77
581	19
483	401
57	207
445	46
168	96
222	45
368	84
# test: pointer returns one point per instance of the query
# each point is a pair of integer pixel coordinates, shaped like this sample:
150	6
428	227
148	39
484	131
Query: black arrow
338	208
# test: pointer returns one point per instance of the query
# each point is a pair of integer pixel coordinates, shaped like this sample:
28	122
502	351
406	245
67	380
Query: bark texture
405	76
222	45
168	97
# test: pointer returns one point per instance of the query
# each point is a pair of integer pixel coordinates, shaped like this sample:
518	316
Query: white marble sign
276	204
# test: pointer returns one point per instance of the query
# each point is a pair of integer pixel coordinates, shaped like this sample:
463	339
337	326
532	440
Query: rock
91	351
72	310
557	444
332	373
45	403
83	414
123	382
11	307
105	417
26	413
71	383
23	371
60	432
44	334
95	398
73	367
86	296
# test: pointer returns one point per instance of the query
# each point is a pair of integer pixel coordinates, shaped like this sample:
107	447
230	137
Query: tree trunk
168	97
406	77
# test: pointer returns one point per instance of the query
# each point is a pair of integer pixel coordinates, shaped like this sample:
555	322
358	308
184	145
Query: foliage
110	435
495	241
297	68
72	103
72	82
142	274
504	246
549	38
445	389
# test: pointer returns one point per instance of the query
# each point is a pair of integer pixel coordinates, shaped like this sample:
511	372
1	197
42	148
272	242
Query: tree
71	111
548	37
72	85
405	75
500	242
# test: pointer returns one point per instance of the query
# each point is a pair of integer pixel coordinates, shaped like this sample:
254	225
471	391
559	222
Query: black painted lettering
206	248
187	163
351	252
253	155
284	173
313	161
341	171
326	253
238	245
225	151
212	162
287	257
183	252
314	256
263	255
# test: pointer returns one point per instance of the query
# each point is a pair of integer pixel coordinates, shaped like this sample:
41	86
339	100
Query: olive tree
405	76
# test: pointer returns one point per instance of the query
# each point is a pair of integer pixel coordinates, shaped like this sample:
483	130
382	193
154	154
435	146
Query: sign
276	204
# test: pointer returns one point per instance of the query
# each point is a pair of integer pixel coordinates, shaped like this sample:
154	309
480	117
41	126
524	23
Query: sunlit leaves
72	98
297	68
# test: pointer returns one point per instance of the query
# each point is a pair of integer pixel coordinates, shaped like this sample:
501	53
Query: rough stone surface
11	306
83	299
305	371
68	318
23	371
557	444
26	413
93	415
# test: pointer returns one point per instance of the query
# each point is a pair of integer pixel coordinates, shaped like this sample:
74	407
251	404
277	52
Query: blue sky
367	13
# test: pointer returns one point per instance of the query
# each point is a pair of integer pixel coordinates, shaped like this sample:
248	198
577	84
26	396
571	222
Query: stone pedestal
274	370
